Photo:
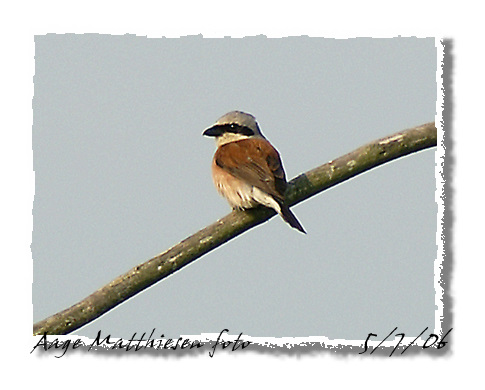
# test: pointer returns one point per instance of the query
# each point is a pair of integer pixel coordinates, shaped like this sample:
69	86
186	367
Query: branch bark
299	189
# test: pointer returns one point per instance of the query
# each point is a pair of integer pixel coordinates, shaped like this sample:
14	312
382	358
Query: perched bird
246	168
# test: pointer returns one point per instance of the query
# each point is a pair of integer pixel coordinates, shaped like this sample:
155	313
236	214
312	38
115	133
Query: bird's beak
213	131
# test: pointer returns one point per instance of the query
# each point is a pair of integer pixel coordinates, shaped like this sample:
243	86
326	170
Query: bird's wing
256	162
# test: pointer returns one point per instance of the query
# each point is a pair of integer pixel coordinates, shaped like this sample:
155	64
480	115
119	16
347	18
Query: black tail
289	217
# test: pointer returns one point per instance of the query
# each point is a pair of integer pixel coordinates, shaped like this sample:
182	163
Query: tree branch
302	187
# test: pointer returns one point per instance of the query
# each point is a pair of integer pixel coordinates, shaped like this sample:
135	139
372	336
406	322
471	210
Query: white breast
239	194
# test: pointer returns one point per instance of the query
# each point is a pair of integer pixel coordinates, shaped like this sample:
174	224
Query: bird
246	169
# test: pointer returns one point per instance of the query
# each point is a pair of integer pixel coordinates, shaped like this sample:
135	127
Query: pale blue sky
123	173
